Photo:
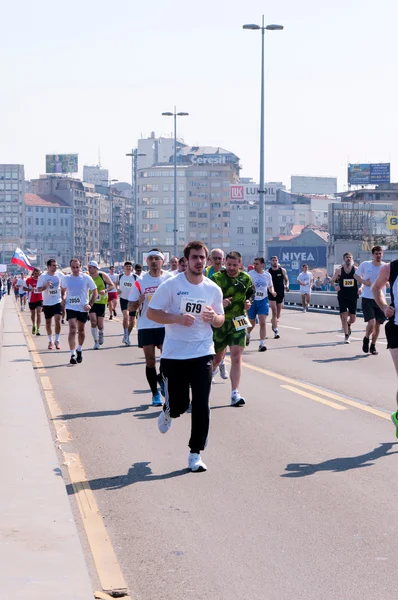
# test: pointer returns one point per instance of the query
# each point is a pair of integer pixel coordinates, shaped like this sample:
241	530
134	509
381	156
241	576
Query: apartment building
12	218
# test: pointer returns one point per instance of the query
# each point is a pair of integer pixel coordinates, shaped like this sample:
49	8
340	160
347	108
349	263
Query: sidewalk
40	552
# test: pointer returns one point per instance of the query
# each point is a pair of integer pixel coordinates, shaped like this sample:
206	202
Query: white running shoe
213	380
101	337
247	338
127	340
195	463
164	422
223	372
237	400
96	346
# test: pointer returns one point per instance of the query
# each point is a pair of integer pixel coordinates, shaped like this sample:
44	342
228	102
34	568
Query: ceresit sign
392	223
209	160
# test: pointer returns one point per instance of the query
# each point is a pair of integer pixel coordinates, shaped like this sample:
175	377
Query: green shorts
228	336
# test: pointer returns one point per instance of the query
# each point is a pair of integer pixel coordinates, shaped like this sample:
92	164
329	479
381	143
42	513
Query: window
181	227
150	214
49	221
240	218
241	243
215	184
192	213
169	227
165	187
226	224
54	221
169	241
37	221
181	214
202	225
254	229
169	214
254	242
29	220
203	215
240	230
41	221
166	200
192	224
181	200
62	222
181	187
226	214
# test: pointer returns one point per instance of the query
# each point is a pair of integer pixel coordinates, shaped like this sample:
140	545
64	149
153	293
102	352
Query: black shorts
391	334
347	304
124	305
51	311
34	305
151	337
371	310
76	314
279	298
98	309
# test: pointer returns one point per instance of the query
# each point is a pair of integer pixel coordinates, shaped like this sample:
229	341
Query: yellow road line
313	397
107	566
311	388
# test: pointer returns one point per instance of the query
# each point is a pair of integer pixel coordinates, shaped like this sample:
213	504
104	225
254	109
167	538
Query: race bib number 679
193	306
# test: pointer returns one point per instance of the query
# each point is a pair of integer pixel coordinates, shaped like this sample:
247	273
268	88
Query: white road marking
288	327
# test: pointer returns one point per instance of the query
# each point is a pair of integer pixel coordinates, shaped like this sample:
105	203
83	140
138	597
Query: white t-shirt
113	278
20	285
178	296
51	295
306	279
78	291
367	270
126	284
148	285
261	281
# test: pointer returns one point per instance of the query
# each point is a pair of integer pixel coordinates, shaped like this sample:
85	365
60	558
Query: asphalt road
296	503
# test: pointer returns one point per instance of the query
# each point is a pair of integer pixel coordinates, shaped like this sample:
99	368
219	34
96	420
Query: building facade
12	213
95	175
302	184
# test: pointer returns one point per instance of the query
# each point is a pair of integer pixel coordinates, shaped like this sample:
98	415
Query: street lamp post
134	165
109	185
261	191
175	115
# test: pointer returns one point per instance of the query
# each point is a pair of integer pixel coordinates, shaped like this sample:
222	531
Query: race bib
192	306
52	292
348	282
241	322
260	295
127	284
74	300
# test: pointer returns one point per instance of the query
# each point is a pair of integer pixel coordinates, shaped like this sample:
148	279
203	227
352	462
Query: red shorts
112	296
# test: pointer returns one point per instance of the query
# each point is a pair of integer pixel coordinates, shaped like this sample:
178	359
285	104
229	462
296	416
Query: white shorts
305	289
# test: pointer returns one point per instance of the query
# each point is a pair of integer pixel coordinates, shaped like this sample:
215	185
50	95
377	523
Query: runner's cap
93	263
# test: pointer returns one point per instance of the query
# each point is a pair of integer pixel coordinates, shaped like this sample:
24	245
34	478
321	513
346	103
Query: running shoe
79	356
262	348
373	350
347	338
195	463
213	380
38	332
164	422
58	345
96	346
394	419
156	400
127	341
223	372
110	318
365	345
73	360
114	313
276	334
50	346
237	400
62	321
247	338
101	337
33	330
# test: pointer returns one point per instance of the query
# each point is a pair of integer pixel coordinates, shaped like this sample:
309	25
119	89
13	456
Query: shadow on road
133	364
139	472
111	413
341	358
339	465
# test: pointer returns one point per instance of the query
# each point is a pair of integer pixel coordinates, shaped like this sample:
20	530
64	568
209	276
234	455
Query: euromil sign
368	173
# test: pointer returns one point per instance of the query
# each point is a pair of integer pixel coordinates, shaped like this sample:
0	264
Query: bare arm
93	296
135	305
378	293
336	276
109	283
286	278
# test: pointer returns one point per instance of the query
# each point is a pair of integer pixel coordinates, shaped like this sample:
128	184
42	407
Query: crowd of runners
205	304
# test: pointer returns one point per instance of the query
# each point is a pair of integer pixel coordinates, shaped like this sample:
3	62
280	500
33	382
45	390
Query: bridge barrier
323	300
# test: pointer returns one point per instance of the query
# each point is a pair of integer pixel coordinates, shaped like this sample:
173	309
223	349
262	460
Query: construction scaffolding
363	221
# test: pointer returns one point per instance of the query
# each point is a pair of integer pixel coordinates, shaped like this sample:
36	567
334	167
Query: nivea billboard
293	257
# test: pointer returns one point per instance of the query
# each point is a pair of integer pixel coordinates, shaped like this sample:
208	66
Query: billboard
293	257
392	223
61	163
249	191
368	173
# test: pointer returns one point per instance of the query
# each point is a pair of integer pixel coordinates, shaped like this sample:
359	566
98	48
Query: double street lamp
134	165
261	191
175	115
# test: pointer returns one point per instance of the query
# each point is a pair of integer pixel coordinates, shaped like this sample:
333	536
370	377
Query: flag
20	259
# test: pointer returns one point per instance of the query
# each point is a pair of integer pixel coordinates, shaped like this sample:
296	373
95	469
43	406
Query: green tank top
100	283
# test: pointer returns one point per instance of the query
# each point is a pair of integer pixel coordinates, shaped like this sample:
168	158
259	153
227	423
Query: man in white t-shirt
150	334
49	285
78	300
263	285
22	293
305	281
366	274
189	305
127	280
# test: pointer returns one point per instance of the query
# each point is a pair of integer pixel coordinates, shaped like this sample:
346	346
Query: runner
388	276
237	288
346	287
15	288
173	265
262	282
35	300
216	262
366	274
182	265
126	282
188	305
305	280
138	270
22	293
150	334
280	281
77	301
112	296
50	284
97	312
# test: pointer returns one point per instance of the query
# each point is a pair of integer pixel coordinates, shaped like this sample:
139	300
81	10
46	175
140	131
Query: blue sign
292	258
367	174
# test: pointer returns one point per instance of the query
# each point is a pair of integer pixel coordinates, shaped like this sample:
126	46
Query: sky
93	76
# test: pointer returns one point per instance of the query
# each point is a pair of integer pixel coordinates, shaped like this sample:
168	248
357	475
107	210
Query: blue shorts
258	307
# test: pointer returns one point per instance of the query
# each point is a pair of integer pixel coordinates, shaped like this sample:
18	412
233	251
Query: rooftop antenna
99	156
